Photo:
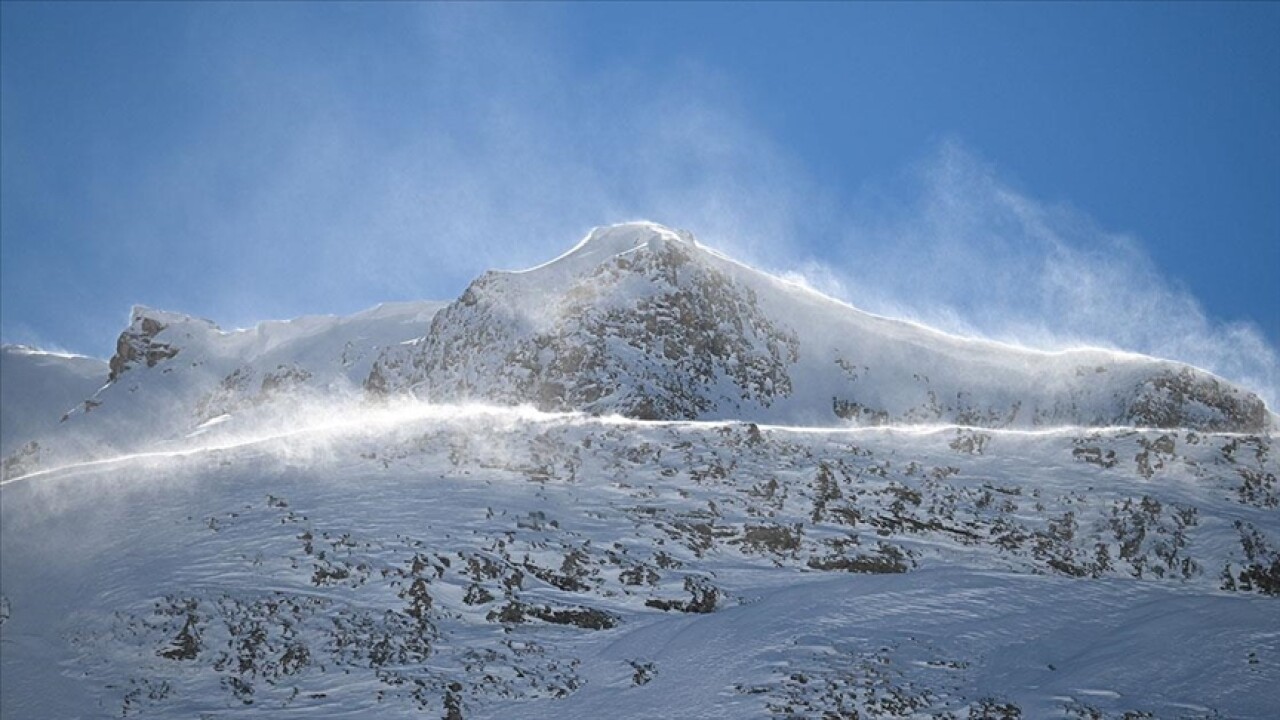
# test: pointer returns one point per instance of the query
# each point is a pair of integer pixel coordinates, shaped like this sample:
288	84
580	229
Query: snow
603	244
37	388
91	575
619	286
451	510
214	372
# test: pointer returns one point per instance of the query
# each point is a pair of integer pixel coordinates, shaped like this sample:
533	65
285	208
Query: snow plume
480	137
473	140
474	181
304	429
964	250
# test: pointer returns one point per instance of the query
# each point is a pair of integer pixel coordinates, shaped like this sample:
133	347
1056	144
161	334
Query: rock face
138	344
642	321
1168	398
649	332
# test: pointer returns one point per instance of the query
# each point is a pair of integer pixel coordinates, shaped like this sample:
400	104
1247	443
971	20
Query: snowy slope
37	388
172	373
483	563
641	320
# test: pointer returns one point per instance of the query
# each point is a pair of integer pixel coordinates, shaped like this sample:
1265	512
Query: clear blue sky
981	166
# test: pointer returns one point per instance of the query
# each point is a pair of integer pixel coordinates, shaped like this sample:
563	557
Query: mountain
636	320
642	480
642	321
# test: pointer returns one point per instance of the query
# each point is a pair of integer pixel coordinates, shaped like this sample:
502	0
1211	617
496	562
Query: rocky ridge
642	321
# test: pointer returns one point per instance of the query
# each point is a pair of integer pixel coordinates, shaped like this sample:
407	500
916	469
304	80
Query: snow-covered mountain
639	481
637	320
642	321
38	388
171	374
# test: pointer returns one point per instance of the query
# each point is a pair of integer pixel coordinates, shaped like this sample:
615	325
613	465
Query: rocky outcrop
242	389
1185	397
24	460
642	321
138	345
651	334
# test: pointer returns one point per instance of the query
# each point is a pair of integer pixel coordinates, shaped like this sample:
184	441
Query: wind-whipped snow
37	388
613	315
899	573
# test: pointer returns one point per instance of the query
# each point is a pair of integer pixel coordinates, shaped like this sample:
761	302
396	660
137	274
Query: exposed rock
651	334
1186	398
138	345
22	461
641	321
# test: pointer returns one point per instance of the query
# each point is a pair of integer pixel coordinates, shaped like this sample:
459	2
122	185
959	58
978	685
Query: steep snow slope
172	373
420	561
37	388
642	320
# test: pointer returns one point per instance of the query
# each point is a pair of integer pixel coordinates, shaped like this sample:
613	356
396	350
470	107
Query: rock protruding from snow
642	321
173	373
633	324
139	343
1187	397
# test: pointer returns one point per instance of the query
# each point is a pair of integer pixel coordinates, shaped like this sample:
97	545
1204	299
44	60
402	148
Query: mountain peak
634	234
139	344
639	319
609	241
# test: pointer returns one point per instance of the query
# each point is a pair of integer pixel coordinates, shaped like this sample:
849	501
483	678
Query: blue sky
1049	174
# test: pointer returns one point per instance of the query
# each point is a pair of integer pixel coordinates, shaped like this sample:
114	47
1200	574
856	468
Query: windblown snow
641	480
643	321
37	388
